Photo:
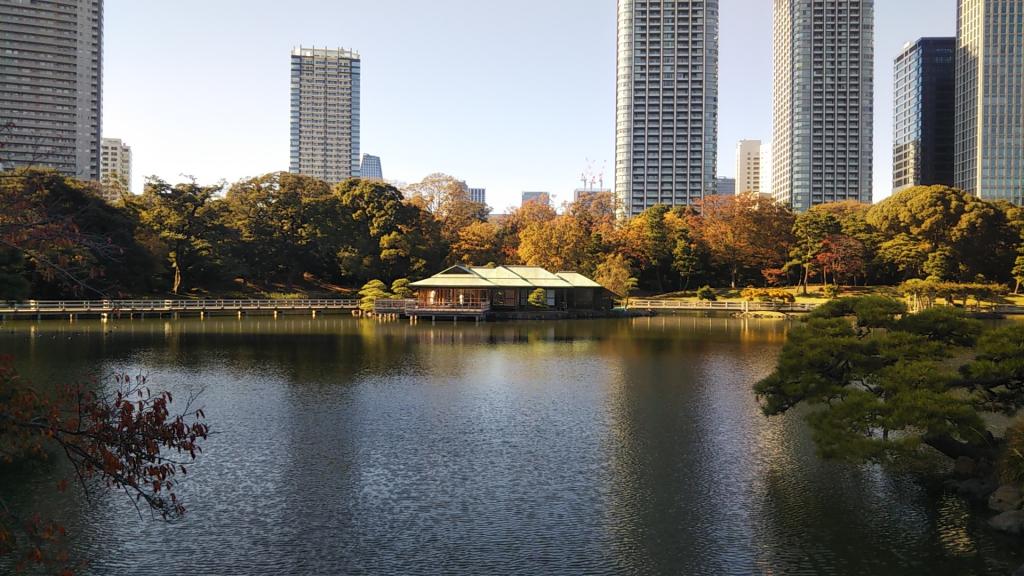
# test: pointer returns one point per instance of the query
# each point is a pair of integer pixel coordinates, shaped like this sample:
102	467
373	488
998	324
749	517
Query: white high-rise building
989	130
823	91
51	62
478	195
325	113
666	102
748	166
115	168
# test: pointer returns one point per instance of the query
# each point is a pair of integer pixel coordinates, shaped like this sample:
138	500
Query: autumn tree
477	244
810	231
842	257
745	232
560	244
186	218
614	273
447	199
520	219
129	441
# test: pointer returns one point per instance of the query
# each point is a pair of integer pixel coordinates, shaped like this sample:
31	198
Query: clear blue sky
510	96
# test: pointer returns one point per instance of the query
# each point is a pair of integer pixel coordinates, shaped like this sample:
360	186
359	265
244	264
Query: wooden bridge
130	308
724	305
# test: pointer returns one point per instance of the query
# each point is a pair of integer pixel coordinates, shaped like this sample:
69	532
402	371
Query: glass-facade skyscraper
325	113
51	60
370	168
989	156
823	90
666	125
924	91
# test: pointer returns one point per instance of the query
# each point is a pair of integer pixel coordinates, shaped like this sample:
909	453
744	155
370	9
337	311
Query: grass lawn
815	294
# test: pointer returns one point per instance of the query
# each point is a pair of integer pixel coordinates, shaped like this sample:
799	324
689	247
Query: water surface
349	446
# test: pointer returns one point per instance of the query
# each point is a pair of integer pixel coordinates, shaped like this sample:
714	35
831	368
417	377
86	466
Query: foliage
371	292
767	295
881	394
187	220
615	275
129	442
538	298
400	288
448	201
1011	464
745	232
924	293
706	293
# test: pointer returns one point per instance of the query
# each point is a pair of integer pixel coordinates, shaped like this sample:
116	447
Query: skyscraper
989	139
51	58
370	168
115	168
748	166
325	113
725	186
922	151
478	195
666	102
823	90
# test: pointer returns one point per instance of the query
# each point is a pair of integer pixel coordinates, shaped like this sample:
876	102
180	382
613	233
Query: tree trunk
177	279
1016	287
732	282
807	278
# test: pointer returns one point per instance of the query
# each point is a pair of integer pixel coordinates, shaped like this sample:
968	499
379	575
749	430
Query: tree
810	230
615	275
400	288
842	257
745	232
477	244
559	244
287	224
964	234
518	220
883	383
388	237
447	199
70	241
371	292
129	442
538	298
184	217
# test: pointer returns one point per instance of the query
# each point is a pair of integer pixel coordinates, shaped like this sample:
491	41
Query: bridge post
202	314
275	314
239	313
314	313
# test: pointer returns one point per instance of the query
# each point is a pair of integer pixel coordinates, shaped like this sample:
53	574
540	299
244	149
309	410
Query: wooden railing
426	309
114	306
393	305
732	305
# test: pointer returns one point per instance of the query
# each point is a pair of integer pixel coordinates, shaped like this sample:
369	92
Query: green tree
185	218
882	383
371	292
14	284
810	230
287	224
538	298
401	289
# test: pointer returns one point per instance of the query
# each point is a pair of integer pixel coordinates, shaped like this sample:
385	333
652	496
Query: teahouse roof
505	277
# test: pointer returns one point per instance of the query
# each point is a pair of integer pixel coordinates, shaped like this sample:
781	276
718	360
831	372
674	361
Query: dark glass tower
923	119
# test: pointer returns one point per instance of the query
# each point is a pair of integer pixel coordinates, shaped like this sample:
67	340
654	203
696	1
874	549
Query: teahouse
508	288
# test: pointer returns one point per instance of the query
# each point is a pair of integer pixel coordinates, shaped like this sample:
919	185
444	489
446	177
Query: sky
509	96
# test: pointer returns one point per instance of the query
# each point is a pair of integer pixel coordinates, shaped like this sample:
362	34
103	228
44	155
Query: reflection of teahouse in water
505	291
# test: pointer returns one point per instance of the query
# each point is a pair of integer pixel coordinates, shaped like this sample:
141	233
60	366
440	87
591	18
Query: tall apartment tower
478	195
325	113
989	131
924	91
823	90
666	102
115	168
51	60
370	168
748	166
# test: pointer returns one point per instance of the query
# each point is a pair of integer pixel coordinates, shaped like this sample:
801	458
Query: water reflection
600	447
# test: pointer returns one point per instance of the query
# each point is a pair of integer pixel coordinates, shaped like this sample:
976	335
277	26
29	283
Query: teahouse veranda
508	288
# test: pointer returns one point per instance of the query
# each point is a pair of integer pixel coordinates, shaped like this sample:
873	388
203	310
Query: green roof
505	277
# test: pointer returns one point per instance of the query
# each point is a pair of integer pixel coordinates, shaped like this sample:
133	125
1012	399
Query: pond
626	446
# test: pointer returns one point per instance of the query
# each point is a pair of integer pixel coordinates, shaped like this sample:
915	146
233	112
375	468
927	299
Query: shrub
767	295
706	293
400	288
370	293
832	291
538	298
